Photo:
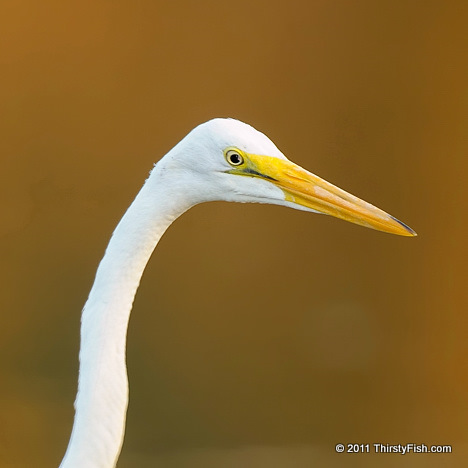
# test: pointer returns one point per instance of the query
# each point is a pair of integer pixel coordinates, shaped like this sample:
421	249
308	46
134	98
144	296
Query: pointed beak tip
408	232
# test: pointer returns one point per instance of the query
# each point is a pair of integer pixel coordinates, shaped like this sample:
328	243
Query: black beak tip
407	228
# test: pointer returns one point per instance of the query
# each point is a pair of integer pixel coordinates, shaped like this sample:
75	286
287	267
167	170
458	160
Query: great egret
222	159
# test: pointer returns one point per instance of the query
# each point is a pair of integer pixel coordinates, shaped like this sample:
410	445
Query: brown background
260	336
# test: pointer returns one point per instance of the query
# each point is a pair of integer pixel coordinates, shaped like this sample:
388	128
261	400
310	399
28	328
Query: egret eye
234	158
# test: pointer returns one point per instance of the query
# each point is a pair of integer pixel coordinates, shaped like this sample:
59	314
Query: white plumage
222	159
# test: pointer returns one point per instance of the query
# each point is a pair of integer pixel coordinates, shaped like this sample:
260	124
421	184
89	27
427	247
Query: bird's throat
102	398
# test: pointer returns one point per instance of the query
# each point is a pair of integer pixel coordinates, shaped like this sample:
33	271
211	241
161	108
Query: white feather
194	171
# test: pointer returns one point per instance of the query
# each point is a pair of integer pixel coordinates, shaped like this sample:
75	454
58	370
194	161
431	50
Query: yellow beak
306	189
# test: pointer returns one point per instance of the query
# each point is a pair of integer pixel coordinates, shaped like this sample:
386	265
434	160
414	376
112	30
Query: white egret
222	159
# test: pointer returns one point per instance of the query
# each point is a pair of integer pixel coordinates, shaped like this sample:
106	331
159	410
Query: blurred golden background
260	336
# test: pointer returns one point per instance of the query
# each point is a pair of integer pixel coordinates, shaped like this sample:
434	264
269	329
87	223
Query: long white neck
101	402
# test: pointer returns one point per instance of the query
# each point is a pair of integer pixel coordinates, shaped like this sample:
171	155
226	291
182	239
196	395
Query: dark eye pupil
235	158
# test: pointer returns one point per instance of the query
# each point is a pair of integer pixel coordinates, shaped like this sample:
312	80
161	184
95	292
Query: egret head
225	159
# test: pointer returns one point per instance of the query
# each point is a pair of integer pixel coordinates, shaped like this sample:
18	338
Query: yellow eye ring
234	158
